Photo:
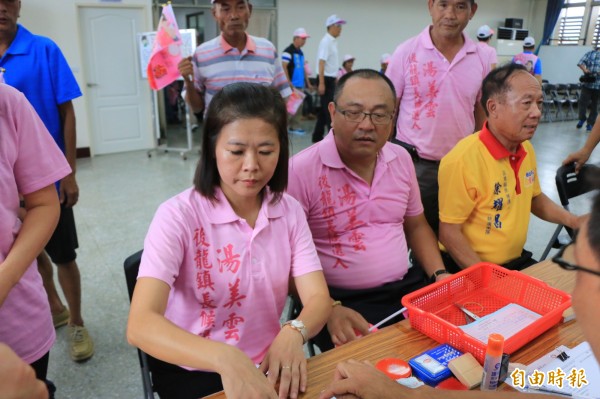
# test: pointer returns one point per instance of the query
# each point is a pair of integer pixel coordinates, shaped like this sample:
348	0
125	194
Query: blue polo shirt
36	67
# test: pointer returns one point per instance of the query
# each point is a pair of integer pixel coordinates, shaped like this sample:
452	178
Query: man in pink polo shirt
361	199
438	76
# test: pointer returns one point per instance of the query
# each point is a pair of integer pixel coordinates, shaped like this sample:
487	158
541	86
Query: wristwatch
298	325
437	273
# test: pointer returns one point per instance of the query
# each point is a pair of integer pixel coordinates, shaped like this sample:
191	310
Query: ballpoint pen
467	312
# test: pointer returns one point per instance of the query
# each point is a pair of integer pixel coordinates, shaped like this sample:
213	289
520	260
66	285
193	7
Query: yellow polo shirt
489	191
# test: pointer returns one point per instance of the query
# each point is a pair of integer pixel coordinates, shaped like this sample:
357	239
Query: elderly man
363	381
328	63
292	60
530	61
233	56
363	207
437	76
489	183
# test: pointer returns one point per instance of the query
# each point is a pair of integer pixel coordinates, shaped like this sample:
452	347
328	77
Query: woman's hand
242	380
285	361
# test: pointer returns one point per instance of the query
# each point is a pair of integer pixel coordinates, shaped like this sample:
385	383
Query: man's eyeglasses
559	260
359	116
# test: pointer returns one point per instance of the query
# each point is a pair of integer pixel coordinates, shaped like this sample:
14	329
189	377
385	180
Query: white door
118	99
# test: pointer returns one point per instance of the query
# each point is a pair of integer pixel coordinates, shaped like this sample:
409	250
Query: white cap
348	57
334	20
529	42
301	32
484	32
385	58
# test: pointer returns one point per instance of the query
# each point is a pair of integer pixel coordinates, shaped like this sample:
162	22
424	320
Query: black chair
548	106
558	95
131	266
570	185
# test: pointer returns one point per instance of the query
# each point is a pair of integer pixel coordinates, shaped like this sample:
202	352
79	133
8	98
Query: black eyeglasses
359	116
558	259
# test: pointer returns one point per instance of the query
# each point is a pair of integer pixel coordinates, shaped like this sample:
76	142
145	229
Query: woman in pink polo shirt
30	164
218	258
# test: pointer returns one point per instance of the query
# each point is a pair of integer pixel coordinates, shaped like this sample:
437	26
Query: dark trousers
589	97
174	382
375	304
427	177
520	263
324	119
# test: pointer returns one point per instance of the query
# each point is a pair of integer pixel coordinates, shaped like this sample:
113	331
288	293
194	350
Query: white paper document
558	375
506	321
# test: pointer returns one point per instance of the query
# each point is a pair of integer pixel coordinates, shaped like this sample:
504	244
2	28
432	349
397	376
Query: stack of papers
506	321
580	358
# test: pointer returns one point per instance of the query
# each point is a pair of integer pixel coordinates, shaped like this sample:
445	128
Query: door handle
92	84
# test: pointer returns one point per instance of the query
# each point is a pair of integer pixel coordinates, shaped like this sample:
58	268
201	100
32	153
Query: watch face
297	323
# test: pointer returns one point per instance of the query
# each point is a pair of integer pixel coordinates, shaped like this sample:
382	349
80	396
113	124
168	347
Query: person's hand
17	378
242	380
68	191
342	325
321	88
186	69
285	362
353	379
579	157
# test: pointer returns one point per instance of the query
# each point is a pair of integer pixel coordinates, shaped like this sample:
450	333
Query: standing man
361	199
484	35
292	60
233	56
327	66
36	66
590	90
437	76
530	61
489	184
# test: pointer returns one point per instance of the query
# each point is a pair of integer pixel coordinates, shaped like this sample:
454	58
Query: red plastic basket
432	311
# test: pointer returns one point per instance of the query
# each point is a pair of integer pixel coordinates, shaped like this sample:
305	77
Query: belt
412	150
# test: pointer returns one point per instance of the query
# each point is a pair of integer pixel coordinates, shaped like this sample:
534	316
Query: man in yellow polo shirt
489	183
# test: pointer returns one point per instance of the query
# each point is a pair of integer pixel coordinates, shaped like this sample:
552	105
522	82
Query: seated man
489	183
362	202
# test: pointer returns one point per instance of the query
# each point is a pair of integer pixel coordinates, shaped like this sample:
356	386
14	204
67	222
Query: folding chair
548	106
131	266
570	185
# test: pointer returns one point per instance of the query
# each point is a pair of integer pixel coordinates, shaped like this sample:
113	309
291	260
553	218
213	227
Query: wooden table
401	341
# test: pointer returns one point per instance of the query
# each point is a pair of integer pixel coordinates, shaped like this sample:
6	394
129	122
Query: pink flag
166	52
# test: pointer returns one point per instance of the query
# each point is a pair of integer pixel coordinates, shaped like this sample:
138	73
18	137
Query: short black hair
361	73
496	82
242	101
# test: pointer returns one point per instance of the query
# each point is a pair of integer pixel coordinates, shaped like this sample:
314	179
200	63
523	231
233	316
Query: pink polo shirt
357	228
228	282
437	98
29	161
489	52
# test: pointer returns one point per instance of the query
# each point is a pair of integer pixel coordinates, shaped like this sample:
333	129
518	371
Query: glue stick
492	363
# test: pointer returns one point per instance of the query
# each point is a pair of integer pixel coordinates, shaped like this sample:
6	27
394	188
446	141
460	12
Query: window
578	23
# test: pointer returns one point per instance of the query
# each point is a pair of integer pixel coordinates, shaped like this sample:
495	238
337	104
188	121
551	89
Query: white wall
59	21
378	26
374	27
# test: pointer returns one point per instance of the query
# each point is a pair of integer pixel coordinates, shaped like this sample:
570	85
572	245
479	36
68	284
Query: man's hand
321	88
344	323
353	379
579	157
17	378
186	69
69	191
